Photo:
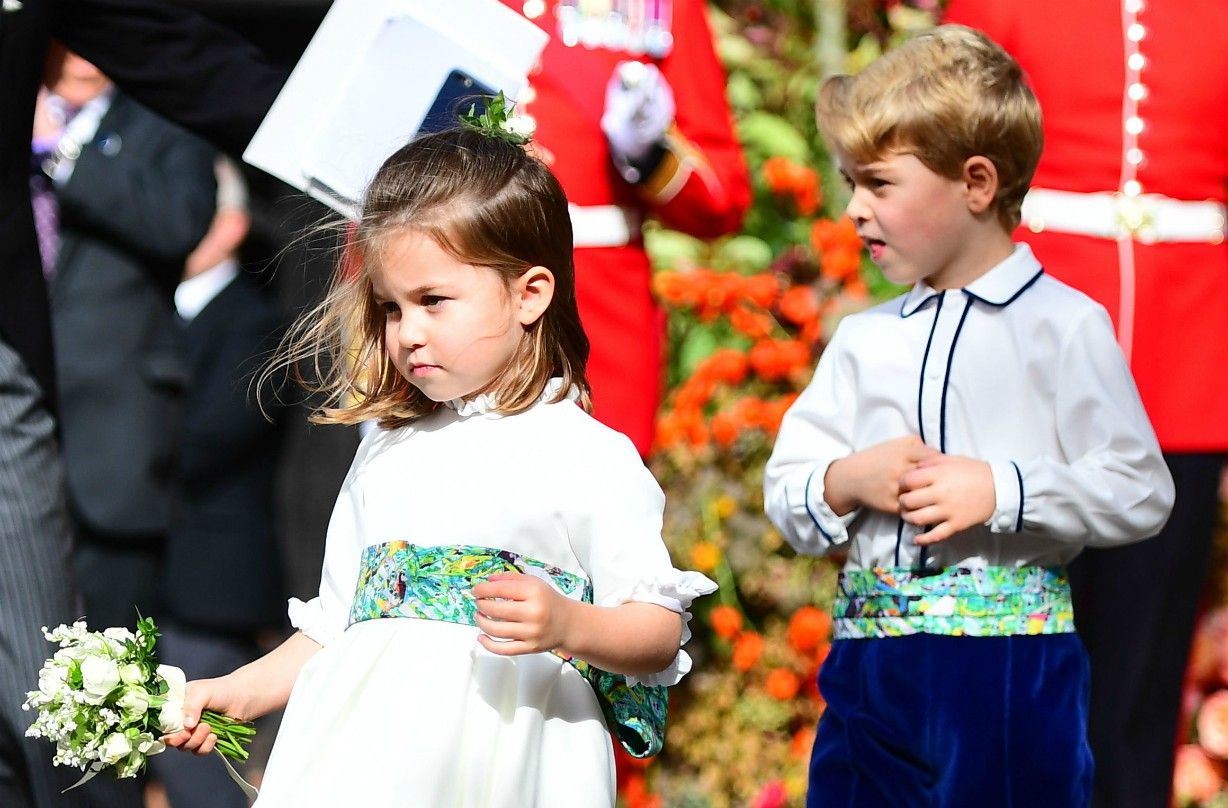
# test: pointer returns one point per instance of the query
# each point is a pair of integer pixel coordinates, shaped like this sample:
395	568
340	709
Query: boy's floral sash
976	602
399	579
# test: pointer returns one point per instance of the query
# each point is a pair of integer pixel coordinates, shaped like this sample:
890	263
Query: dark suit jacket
140	197
222	571
177	63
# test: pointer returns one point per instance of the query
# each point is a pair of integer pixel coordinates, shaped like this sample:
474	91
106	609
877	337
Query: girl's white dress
407	712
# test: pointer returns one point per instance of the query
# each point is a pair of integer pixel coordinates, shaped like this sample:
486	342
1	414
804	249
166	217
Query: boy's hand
528	616
871	478
948	493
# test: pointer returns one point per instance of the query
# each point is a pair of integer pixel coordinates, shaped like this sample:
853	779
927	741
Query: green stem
233	736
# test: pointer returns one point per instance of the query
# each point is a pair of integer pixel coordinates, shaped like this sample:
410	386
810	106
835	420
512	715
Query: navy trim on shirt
1013	297
946	381
924	360
809	512
1019	476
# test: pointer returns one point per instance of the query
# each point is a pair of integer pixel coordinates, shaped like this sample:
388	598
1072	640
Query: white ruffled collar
485	403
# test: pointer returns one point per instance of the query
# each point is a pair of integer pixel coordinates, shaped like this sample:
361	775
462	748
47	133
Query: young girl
517	539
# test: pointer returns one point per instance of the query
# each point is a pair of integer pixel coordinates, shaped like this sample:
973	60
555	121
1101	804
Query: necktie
46	214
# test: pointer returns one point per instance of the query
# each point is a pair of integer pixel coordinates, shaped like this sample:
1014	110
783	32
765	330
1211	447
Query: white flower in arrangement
170	718
105	702
522	125
134	702
99	676
132	674
115	748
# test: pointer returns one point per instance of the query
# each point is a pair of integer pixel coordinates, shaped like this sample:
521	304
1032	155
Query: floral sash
399	579
976	602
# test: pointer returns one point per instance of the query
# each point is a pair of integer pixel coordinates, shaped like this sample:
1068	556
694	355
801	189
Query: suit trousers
1134	607
36	589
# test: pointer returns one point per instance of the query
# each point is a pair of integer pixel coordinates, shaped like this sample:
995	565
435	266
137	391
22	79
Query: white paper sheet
370	75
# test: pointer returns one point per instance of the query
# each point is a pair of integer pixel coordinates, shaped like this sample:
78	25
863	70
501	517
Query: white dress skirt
412	712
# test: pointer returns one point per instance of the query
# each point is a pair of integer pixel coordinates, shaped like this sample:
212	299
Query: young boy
960	443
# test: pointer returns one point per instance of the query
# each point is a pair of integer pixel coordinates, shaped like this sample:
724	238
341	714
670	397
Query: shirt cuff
809	502
1009	497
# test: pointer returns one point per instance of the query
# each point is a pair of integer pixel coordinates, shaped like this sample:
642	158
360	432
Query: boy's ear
980	183
533	291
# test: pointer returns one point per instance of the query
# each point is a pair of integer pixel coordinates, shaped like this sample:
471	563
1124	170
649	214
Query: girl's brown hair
485	202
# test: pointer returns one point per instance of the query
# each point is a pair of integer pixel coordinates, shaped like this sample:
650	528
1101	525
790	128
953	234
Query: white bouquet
105	702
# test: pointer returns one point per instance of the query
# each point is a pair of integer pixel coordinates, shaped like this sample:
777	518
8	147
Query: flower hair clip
496	120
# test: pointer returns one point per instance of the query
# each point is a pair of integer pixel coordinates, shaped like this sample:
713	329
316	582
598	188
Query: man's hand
871	478
639	108
948	493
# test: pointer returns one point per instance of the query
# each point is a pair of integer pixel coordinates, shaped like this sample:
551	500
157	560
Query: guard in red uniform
1128	206
653	138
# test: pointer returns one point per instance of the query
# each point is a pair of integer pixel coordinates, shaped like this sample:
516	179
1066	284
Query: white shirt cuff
1009	496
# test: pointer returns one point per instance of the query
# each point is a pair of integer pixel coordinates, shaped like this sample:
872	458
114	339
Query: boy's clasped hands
947	493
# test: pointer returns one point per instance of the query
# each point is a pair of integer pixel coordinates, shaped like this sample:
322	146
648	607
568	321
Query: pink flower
1213	724
771	796
1195	777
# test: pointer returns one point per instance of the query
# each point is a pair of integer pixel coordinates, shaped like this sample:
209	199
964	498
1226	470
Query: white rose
131	674
134	702
170	717
115	748
52	680
99	676
119	633
147	744
131	767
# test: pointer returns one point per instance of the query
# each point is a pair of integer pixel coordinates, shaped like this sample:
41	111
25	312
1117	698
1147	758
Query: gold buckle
1134	217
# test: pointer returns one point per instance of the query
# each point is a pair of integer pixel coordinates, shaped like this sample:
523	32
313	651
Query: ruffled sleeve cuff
310	619
675	591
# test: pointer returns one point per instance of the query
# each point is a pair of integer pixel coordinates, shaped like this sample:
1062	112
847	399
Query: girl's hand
524	613
218	695
948	493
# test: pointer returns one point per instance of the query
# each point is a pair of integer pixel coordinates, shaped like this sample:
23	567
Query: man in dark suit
204	78
220	586
139	197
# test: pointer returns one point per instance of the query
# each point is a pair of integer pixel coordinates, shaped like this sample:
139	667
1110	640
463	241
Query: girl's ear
980	183
532	293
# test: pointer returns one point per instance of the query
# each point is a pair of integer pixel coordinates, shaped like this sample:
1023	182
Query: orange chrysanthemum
782	684
747	649
726	621
808	627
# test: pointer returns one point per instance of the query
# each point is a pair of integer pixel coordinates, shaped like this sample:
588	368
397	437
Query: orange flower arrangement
782	684
747	649
808	628
726	621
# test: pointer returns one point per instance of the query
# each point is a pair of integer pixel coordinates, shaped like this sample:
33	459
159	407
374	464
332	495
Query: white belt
1146	218
603	225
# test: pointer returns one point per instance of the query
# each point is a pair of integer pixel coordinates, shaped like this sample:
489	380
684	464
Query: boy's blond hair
945	95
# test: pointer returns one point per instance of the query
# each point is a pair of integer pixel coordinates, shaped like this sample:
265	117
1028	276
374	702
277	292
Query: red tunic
704	193
1168	300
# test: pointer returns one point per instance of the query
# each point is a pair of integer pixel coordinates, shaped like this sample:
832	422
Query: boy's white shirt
1016	369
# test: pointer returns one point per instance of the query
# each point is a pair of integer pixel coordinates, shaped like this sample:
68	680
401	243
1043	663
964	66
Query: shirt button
1136	62
1134	125
1136	32
1136	91
1132	188
1134	156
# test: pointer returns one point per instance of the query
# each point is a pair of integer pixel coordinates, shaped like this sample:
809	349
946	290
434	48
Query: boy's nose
856	209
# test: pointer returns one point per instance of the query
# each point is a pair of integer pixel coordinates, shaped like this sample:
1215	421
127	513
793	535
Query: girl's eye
432	301
390	308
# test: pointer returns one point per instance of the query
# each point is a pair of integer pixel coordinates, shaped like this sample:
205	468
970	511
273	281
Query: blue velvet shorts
947	722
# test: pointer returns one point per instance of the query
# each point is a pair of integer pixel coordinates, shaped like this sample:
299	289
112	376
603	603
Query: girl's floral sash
976	602
399	579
